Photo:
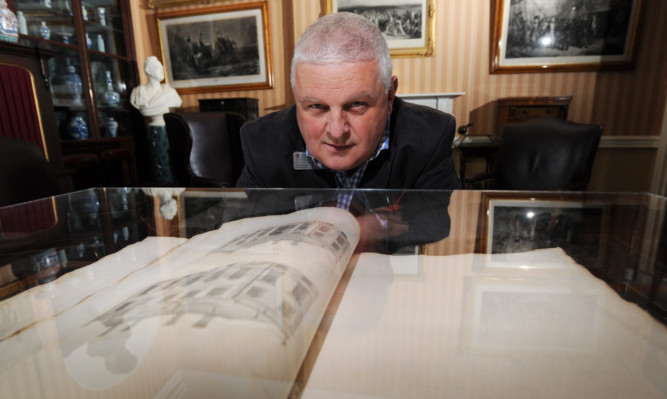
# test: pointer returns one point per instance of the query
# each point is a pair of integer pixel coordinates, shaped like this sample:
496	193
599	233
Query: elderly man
348	129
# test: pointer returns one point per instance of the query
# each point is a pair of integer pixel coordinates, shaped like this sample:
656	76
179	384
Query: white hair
343	37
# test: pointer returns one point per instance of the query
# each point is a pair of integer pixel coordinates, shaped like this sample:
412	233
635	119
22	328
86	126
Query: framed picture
408	25
511	224
219	48
563	35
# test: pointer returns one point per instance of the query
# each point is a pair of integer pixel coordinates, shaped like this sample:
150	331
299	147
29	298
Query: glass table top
167	292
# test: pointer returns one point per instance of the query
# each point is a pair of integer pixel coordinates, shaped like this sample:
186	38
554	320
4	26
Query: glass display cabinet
93	71
276	293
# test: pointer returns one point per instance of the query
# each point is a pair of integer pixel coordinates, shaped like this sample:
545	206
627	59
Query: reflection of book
237	307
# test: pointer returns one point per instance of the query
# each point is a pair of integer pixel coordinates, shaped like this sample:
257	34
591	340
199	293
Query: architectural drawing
272	293
242	302
316	232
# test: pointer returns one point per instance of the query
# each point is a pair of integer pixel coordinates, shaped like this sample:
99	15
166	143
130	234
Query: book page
532	324
233	308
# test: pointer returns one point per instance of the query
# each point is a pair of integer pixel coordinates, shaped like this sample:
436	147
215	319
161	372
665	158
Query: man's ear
392	92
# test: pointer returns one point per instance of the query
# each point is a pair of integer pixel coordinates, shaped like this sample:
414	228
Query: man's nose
337	126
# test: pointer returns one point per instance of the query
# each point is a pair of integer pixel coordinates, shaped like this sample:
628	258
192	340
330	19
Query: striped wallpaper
627	103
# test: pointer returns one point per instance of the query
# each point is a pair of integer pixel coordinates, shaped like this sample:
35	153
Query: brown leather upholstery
25	174
205	148
545	154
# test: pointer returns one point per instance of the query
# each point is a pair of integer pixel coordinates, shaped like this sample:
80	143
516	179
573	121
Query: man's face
342	111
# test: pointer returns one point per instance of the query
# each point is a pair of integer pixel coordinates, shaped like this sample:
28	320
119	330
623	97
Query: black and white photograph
220	48
558	34
406	24
525	225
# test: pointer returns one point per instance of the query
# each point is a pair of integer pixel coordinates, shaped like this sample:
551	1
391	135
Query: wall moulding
629	141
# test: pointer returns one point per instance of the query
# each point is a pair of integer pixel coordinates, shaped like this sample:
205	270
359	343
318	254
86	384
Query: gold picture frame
407	39
174	3
219	48
527	36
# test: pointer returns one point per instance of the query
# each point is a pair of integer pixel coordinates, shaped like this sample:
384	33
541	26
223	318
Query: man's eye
316	107
356	107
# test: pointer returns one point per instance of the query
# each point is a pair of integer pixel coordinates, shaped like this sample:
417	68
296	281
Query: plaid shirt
343	180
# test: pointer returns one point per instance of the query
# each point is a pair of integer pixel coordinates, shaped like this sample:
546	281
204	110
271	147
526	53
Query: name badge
301	161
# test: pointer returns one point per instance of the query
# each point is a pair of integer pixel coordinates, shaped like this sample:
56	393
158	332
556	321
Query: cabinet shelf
95	54
68	107
28	39
35	6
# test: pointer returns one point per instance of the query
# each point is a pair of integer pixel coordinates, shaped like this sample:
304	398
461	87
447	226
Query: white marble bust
153	99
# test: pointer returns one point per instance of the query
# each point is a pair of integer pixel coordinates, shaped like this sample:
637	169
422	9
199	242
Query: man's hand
377	226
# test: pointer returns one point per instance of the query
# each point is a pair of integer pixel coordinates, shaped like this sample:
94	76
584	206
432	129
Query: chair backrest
25	174
546	154
205	148
26	107
19	100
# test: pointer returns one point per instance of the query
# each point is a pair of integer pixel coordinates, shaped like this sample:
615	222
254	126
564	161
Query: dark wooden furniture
248	107
98	47
475	146
112	171
522	109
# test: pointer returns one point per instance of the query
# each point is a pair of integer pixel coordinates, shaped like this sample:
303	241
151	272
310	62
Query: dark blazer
419	156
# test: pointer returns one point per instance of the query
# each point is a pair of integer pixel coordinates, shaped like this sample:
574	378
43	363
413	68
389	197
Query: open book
237	307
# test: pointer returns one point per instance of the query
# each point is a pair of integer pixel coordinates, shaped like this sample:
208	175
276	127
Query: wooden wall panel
631	103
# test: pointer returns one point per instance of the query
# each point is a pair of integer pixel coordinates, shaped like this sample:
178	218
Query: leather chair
25	173
205	148
544	154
